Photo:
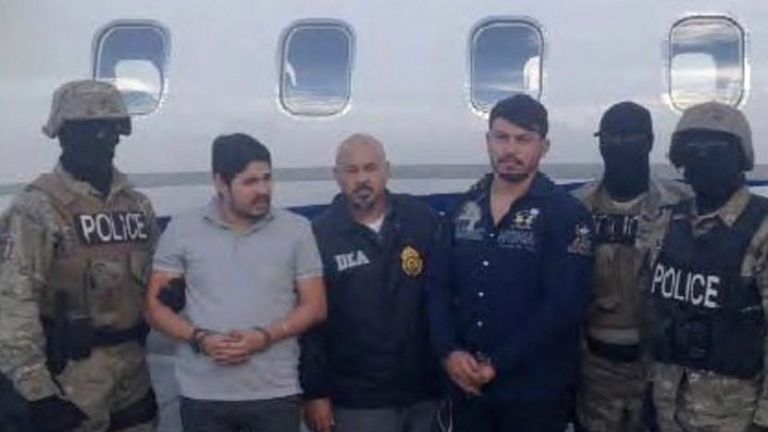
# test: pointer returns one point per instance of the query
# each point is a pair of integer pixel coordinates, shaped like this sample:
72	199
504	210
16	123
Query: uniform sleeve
154	227
566	276
307	262
650	240
27	245
761	265
313	363
169	253
440	296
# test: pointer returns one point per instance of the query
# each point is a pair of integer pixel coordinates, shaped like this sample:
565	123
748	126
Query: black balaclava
713	165
626	139
88	148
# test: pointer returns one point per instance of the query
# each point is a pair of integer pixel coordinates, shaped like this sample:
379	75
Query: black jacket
374	348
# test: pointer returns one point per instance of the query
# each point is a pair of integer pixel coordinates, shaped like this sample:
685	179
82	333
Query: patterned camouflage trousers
110	380
698	401
610	397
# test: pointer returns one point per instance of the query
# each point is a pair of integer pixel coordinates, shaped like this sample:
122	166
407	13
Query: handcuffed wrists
197	340
265	333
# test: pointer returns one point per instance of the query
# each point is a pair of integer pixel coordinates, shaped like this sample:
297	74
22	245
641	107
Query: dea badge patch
411	261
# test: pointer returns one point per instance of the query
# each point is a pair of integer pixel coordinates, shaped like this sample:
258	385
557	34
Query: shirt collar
540	186
340	210
728	212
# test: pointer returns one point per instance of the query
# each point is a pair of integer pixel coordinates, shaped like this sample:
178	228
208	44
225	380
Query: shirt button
492	235
481	294
485	263
479	324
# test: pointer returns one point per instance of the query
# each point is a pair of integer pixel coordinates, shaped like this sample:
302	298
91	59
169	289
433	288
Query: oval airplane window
505	57
134	57
316	71
706	61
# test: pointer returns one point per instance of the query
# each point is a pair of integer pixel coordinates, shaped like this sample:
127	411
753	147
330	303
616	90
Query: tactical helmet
716	117
86	100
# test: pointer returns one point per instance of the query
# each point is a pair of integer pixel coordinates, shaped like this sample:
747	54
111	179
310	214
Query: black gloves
174	294
54	414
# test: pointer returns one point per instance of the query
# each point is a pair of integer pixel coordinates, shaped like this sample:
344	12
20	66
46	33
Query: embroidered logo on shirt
466	222
350	260
517	238
582	241
524	219
411	260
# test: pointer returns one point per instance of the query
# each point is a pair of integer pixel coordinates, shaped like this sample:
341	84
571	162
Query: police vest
708	316
618	261
101	256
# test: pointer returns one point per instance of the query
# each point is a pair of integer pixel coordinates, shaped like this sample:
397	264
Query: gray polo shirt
238	280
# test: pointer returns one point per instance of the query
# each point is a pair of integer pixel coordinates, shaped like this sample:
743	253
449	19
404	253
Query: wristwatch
196	341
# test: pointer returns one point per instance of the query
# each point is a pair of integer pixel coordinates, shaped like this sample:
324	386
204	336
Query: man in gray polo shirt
254	282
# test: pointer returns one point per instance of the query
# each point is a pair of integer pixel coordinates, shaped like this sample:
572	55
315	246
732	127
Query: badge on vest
411	261
350	260
111	227
615	228
582	241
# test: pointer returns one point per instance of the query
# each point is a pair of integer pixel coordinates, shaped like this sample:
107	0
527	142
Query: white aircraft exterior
415	74
301	75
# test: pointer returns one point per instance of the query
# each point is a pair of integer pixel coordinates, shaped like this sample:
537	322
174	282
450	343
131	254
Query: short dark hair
232	153
522	110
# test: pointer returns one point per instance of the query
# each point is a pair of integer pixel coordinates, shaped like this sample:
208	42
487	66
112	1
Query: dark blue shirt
516	292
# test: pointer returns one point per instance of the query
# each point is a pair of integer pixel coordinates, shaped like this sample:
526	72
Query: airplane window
505	59
316	69
706	61
134	56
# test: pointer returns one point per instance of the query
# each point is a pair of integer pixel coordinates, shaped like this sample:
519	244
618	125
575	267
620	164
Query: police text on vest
111	227
695	288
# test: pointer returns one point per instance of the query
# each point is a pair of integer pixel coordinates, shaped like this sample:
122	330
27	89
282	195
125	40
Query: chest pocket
115	288
617	269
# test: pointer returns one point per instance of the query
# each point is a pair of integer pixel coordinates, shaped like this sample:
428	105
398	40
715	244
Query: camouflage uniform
610	397
61	239
695	399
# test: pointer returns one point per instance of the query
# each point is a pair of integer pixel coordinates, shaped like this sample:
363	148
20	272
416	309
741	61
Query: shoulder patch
582	241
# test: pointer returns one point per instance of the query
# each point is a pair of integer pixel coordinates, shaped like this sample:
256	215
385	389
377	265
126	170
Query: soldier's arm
152	222
28	240
161	316
759	250
649	239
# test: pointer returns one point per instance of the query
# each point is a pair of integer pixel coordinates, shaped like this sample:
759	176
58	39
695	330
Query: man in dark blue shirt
506	319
